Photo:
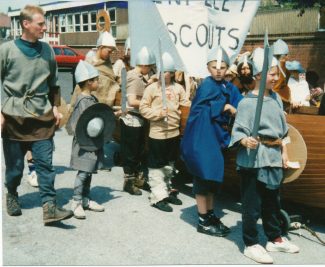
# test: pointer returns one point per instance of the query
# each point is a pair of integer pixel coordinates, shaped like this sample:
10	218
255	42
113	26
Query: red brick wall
309	52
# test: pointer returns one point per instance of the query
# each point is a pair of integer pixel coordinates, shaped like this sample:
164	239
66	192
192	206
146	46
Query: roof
71	4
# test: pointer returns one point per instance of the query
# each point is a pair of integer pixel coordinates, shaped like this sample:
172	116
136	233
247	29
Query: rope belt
268	141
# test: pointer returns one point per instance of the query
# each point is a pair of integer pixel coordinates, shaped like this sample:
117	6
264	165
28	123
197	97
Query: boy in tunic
163	135
85	162
206	135
261	179
133	125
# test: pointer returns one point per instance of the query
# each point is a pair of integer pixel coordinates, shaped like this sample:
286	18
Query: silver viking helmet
218	54
280	48
258	59
145	57
168	61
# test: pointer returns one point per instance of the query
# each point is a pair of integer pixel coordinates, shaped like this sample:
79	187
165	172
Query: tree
302	4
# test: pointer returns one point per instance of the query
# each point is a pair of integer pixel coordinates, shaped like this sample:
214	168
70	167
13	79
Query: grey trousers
82	185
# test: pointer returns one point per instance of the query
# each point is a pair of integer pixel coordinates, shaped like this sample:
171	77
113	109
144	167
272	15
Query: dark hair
312	78
83	83
240	65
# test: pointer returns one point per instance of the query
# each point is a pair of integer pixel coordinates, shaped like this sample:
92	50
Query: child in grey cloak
261	177
84	161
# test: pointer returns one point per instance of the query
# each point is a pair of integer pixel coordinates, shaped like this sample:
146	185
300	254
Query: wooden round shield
63	110
297	151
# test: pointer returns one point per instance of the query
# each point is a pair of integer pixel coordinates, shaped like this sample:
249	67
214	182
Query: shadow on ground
64	195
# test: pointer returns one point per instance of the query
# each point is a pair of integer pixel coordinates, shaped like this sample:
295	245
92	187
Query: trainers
258	253
162	205
218	223
32	179
77	209
172	198
284	246
13	206
211	229
53	213
92	205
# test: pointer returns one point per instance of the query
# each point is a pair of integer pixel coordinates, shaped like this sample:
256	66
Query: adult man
29	113
244	81
108	85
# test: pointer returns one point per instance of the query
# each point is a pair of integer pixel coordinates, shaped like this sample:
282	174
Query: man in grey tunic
29	113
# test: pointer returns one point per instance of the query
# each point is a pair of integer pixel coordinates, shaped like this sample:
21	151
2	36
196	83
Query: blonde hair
27	13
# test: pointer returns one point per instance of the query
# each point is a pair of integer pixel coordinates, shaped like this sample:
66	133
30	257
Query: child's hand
249	142
230	108
164	113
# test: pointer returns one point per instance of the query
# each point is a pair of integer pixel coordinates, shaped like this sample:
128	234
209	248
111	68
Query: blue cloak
204	137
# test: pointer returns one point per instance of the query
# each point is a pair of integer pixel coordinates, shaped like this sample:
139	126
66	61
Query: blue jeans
42	151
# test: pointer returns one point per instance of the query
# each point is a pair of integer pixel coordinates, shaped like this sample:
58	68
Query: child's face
272	77
217	74
93	84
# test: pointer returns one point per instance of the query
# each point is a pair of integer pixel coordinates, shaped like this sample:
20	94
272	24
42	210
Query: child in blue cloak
206	135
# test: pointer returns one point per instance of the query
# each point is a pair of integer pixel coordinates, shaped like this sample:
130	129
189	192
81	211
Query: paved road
129	232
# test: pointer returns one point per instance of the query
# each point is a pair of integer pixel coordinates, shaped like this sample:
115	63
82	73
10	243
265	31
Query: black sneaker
13	206
173	200
218	223
162	205
211	229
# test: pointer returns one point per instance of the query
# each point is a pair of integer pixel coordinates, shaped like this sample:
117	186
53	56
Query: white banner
192	27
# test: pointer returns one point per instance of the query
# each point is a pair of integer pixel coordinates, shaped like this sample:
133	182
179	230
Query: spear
162	78
259	105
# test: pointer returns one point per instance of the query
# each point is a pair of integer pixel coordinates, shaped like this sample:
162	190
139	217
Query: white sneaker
78	210
284	246
258	253
32	179
92	205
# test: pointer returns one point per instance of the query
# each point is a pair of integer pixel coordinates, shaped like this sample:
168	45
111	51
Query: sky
15	4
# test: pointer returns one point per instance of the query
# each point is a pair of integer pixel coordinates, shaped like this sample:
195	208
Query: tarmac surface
130	231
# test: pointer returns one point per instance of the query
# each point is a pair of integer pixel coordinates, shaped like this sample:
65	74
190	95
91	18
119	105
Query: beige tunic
151	106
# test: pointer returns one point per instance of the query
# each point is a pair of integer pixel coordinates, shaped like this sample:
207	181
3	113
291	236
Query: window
113	30
69	23
57	51
68	52
85	22
77	22
63	23
93	21
56	24
112	15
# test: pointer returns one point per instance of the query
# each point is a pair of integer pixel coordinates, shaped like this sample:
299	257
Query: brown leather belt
269	141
